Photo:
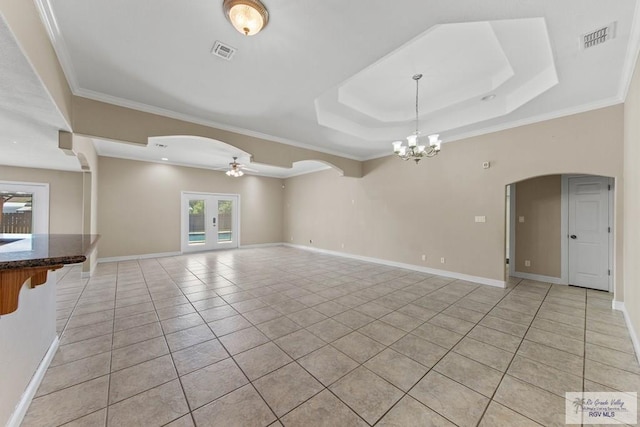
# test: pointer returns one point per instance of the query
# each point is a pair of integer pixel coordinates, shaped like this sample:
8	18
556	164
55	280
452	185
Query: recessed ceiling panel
457	61
472	72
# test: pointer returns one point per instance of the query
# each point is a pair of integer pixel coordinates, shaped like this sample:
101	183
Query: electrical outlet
342	245
521	219
527	263
424	257
292	238
442	260
481	218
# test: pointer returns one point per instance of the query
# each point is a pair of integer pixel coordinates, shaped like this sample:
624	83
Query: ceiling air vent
224	51
598	36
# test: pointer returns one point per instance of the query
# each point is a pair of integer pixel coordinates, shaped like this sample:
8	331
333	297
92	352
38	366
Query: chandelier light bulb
434	141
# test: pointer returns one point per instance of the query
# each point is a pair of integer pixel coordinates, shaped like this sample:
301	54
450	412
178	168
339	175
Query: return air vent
224	51
599	36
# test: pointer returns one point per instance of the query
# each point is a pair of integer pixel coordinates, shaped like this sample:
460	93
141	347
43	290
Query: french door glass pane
196	222
225	209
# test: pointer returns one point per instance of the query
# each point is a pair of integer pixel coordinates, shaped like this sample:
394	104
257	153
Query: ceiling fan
236	169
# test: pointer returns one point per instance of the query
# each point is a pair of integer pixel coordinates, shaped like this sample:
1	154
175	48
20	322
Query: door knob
573	236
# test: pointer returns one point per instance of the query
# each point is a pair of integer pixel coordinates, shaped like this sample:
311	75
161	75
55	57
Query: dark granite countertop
40	250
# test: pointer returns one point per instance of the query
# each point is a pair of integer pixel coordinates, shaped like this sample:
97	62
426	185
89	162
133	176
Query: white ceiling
335	75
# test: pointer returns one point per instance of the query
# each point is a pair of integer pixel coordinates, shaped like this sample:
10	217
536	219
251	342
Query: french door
209	221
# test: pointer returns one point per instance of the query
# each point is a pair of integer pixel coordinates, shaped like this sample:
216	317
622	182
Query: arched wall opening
561	229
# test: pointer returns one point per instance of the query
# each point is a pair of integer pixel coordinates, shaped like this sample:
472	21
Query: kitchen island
28	339
31	256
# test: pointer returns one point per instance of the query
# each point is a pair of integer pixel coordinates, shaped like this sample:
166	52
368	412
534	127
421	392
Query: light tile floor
279	336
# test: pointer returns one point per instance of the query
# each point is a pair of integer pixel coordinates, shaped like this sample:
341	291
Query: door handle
573	236
214	221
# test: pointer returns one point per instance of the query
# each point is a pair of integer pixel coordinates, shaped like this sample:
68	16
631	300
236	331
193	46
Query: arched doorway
560	230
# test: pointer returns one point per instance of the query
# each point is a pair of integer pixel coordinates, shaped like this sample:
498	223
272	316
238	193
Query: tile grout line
115	299
191	411
584	349
491	399
319	286
442	357
179	378
407	393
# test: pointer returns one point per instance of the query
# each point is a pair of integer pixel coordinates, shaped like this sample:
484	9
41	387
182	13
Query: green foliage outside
196	207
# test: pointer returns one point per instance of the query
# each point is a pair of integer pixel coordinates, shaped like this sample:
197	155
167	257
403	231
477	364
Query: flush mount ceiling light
413	151
246	16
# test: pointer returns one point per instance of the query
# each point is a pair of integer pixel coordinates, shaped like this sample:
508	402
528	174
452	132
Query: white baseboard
619	305
445	273
21	408
135	257
539	278
260	245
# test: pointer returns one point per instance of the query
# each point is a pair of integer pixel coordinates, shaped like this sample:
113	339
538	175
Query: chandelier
246	16
413	151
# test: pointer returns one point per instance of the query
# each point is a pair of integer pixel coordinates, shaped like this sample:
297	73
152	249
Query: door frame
564	233
184	219
40	207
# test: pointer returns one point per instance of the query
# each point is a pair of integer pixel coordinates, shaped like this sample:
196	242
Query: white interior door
209	221
589	232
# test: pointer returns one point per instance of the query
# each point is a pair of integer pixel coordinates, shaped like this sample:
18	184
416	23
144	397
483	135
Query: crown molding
63	56
121	102
631	57
58	43
583	108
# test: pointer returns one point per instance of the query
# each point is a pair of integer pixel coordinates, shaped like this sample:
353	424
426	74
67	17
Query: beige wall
139	209
108	121
65	195
538	238
632	202
399	211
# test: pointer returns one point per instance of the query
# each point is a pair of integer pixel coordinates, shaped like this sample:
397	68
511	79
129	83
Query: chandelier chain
417	79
